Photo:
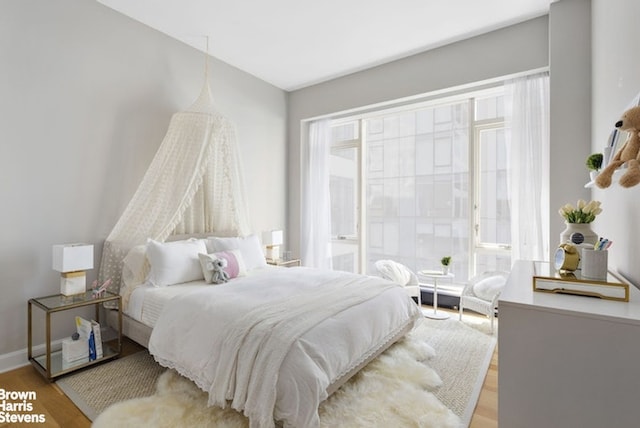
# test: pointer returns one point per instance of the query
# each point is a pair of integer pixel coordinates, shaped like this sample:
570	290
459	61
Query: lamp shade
272	237
72	257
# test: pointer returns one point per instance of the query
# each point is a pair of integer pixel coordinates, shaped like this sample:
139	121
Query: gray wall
503	52
616	81
570	107
86	95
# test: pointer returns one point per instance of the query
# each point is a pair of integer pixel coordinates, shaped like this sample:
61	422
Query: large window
422	182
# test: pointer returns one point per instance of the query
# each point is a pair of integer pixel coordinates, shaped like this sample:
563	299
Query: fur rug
393	390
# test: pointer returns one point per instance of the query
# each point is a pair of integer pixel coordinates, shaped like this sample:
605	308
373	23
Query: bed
270	342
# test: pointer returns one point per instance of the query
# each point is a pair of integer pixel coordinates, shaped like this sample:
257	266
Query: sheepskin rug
391	391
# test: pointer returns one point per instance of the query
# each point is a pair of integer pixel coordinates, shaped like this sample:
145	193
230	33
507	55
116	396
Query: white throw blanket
241	361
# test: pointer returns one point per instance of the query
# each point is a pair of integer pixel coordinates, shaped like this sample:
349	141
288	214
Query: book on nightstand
90	331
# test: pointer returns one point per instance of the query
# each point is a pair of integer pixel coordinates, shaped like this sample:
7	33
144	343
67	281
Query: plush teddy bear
629	153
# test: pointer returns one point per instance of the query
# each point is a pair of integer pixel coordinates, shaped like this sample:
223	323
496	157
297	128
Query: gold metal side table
50	364
284	263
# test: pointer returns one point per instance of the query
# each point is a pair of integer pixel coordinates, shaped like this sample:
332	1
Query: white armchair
482	292
401	275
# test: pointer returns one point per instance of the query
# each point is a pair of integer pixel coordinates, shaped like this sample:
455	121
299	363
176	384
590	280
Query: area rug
95	389
406	386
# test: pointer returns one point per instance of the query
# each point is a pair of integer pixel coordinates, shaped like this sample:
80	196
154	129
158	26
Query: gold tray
548	280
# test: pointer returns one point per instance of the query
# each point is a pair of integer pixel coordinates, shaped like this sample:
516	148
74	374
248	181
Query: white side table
435	275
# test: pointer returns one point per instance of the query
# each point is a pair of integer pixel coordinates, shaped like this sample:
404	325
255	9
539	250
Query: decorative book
548	280
90	332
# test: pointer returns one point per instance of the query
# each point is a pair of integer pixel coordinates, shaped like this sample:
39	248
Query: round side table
435	275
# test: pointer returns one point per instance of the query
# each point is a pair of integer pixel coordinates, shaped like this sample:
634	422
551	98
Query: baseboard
17	359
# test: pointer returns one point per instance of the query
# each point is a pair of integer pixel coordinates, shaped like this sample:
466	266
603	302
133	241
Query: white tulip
590	207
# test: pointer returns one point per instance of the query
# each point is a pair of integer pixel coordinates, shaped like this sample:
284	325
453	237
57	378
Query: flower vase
445	270
584	229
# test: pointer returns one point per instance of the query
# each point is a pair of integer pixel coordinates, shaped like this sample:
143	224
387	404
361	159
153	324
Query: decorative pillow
229	262
394	272
249	247
487	288
135	266
174	262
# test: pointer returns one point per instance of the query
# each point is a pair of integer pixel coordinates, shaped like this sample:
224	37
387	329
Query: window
421	182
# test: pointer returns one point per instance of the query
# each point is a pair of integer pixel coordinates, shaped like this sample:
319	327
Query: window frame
356	143
479	247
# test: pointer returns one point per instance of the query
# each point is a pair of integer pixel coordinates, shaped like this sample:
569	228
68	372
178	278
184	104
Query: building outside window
417	183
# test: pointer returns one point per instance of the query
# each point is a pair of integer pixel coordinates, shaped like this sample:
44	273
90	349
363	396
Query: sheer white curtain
527	114
316	202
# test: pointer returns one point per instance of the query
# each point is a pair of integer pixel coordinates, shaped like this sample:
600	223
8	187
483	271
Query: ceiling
296	43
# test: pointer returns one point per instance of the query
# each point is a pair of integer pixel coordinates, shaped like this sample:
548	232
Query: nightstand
50	364
285	263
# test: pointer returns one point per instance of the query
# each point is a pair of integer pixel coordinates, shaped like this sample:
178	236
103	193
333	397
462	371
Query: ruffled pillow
221	266
135	266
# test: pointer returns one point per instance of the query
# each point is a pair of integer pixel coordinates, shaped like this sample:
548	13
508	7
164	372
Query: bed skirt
134	330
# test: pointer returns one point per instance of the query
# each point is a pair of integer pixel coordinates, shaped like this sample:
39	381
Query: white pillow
249	247
174	262
487	288
394	272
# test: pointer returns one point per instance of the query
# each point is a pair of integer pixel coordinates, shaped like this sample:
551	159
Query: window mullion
474	185
362	212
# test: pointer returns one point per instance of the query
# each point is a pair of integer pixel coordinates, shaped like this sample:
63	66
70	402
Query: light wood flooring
59	411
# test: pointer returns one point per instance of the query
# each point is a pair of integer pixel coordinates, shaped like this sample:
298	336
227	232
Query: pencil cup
594	264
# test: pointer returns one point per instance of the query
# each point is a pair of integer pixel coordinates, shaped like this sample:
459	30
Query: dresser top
519	292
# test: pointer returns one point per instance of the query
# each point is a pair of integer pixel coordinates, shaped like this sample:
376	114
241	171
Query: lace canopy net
194	185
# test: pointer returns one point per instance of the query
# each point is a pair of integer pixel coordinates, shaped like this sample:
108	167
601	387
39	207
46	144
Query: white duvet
269	345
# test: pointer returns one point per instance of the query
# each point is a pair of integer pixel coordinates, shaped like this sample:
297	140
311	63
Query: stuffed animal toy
219	275
628	154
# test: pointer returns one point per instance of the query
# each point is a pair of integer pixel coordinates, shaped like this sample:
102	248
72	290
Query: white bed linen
147	301
190	330
144	302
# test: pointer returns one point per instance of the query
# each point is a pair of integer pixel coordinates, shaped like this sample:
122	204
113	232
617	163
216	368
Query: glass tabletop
58	301
435	274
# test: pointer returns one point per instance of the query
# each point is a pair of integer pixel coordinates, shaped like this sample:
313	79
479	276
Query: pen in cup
602	244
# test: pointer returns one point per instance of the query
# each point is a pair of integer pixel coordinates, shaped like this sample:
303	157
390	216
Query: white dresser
566	361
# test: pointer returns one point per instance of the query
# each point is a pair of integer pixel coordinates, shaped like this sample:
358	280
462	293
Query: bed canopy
194	185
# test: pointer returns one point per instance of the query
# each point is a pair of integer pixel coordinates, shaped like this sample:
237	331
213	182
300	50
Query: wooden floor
59	411
486	413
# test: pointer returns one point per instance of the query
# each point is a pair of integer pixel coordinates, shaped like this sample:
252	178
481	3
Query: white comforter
271	344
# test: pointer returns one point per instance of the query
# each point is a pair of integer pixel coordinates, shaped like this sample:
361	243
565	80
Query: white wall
86	95
616	80
503	52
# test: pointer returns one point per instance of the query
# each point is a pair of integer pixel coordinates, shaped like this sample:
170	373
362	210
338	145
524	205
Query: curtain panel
316	202
527	116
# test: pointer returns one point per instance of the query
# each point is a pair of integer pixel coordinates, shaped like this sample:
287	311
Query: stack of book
84	346
90	331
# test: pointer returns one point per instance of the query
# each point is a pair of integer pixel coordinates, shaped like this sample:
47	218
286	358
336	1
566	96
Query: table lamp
273	239
71	260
